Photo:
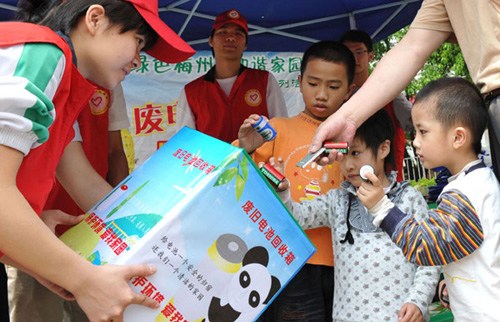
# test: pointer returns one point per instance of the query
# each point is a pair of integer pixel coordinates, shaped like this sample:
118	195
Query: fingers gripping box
198	209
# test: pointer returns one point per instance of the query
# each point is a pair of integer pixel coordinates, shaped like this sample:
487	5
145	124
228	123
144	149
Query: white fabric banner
151	94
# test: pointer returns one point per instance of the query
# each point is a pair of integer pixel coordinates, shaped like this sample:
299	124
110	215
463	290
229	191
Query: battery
364	169
273	175
264	129
342	147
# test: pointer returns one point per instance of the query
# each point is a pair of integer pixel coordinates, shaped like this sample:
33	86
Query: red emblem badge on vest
253	97
100	101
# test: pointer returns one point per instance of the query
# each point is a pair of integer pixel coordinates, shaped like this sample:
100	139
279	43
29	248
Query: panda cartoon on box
241	284
250	289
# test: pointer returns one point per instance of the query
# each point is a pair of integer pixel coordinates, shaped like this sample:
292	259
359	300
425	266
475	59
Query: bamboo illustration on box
237	170
239	173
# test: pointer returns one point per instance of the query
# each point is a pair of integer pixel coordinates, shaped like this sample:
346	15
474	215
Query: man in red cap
218	102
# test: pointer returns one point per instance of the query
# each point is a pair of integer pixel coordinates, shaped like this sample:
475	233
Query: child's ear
371	54
384	149
94	16
460	137
351	89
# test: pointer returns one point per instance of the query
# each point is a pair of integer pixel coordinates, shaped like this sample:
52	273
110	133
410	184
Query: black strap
348	236
475	167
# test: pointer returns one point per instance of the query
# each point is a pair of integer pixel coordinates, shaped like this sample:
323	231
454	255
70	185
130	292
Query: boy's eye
354	153
312	84
334	87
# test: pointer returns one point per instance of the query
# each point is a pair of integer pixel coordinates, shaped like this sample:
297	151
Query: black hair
355	35
66	15
457	102
374	131
34	10
333	52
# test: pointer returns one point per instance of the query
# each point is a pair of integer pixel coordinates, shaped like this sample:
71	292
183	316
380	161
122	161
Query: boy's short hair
374	131
358	36
457	102
333	52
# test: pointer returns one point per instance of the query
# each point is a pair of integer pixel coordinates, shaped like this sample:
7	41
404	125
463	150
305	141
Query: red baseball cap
169	48
230	16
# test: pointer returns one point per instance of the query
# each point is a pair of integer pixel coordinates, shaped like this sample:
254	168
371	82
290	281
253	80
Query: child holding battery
373	280
325	80
462	233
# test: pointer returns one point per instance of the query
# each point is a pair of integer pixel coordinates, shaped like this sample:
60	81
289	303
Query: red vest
221	116
398	143
93	123
36	174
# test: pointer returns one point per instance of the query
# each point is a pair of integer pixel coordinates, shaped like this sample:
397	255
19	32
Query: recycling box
199	210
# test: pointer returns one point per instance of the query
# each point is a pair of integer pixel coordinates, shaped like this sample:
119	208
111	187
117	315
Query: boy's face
433	143
361	55
358	156
324	87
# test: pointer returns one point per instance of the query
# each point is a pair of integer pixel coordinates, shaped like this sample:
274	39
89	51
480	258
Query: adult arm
117	160
184	115
102	291
75	173
402	110
392	74
118	120
276	105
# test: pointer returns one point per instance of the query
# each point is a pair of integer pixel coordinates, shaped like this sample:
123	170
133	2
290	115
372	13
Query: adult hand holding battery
341	147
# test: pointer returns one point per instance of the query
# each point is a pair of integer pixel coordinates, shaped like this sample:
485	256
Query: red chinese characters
269	232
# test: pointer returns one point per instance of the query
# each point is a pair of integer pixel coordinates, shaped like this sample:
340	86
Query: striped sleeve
29	77
451	232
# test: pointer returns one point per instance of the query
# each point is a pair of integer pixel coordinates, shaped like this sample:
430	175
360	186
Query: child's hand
249	138
105	293
278	165
55	217
370	192
409	312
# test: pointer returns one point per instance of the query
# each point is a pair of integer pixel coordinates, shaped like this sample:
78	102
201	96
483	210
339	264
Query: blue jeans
307	298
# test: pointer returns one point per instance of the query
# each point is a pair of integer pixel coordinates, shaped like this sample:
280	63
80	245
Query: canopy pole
188	19
352	21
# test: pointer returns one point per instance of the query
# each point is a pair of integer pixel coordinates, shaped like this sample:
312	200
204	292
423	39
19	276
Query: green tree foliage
446	61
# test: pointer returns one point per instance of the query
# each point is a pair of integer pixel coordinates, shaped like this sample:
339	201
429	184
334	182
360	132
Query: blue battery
264	129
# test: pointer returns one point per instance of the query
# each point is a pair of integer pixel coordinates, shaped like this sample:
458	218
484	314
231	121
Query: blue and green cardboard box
202	213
